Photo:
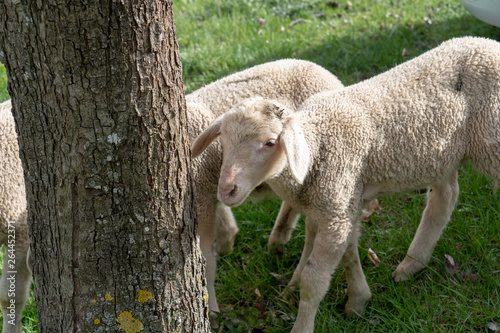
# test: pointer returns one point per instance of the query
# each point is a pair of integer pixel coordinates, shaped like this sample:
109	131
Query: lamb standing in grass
410	127
288	81
16	274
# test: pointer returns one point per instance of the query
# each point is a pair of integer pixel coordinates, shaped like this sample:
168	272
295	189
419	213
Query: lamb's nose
228	192
233	192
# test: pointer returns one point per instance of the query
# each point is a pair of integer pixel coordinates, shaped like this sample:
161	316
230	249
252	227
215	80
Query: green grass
4	95
219	37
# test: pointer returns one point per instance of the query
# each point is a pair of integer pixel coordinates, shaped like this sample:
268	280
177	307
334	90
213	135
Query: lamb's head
258	138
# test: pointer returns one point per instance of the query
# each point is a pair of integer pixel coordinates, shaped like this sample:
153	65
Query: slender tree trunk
98	100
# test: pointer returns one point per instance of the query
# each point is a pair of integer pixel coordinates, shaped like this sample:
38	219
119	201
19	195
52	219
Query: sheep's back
421	117
287	81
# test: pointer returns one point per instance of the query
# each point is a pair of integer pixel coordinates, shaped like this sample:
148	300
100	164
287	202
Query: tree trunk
97	95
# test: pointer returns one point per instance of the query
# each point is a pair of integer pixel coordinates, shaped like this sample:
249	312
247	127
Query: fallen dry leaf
348	5
294	22
405	53
286	317
366	212
261	307
473	277
373	257
464	274
280	277
261	21
449	265
364	76
493	327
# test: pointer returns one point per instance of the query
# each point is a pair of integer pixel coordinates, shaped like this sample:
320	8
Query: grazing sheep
289	81
408	128
16	272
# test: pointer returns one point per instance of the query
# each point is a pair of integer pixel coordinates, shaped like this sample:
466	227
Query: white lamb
410	127
16	273
290	82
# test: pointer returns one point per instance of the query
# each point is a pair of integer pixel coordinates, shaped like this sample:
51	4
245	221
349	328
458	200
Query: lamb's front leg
283	227
329	246
441	199
358	290
311	230
225	229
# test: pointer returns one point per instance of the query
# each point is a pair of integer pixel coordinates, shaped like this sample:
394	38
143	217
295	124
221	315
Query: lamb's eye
270	143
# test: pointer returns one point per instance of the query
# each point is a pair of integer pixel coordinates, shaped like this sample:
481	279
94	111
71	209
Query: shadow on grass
364	52
366	55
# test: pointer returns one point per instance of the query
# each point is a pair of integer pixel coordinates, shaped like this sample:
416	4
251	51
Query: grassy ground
218	37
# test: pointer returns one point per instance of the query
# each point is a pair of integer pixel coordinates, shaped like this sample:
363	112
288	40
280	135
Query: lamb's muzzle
227	193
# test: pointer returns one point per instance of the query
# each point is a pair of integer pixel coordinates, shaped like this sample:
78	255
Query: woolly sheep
16	272
408	128
289	81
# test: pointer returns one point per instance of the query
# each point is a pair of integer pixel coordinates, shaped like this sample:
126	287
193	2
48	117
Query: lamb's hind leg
441	199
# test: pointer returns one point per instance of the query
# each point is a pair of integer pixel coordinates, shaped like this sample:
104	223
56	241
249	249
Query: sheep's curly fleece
13	223
12	190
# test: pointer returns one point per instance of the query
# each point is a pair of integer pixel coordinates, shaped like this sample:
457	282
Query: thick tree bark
98	100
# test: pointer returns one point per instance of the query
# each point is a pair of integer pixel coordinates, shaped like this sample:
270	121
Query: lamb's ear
296	149
206	137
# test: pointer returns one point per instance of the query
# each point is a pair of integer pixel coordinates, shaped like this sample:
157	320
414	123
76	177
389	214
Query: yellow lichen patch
94	301
128	323
108	297
144	296
97	321
205	298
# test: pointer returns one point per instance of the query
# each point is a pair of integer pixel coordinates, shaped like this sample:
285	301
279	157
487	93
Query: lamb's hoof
407	269
399	276
213	317
276	248
405	272
225	247
355	308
